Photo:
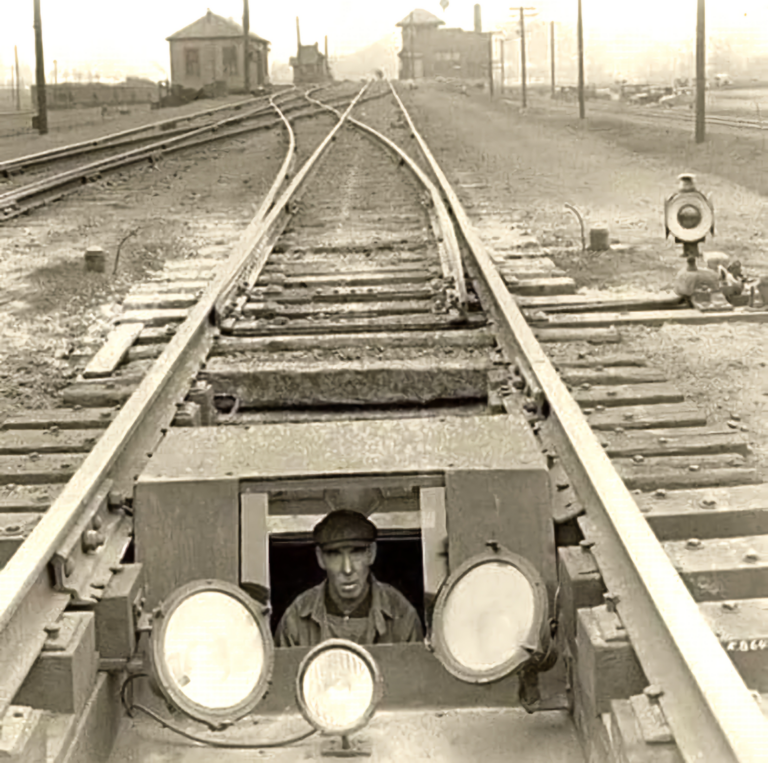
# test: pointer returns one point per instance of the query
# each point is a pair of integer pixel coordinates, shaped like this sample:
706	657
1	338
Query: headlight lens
689	216
338	686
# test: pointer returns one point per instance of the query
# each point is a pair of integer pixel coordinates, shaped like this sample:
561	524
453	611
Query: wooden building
429	51
209	54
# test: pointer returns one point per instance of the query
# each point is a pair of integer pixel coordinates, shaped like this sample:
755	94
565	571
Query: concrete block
115	620
63	675
22	736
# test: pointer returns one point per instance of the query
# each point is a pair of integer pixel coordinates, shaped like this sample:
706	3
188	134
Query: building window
229	59
192	61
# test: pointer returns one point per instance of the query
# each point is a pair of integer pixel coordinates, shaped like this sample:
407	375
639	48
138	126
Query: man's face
347	568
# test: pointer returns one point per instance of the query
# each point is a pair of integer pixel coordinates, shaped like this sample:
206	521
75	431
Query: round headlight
211	651
338	686
489	616
689	216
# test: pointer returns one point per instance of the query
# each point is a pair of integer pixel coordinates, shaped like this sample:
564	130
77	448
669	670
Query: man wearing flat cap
350	603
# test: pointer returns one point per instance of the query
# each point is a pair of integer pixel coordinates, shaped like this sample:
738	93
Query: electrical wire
193	737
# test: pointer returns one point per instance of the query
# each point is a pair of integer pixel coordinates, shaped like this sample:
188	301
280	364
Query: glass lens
213	649
488	615
338	689
689	216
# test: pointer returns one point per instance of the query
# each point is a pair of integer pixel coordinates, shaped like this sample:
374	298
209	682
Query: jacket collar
381	607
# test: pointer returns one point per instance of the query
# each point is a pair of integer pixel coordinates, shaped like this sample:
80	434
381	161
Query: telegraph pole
18	81
580	38
701	75
42	110
246	46
552	53
490	63
501	57
522	55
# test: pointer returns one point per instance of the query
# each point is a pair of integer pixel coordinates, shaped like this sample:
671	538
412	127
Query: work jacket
391	619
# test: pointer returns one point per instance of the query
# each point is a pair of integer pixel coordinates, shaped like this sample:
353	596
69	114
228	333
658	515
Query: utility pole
701	74
580	38
552	53
501	56
42	110
523	82
18	81
246	46
490	63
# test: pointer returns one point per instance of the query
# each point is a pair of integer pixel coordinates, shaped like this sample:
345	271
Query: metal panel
254	542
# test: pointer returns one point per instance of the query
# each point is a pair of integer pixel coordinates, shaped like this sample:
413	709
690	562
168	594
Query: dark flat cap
343	526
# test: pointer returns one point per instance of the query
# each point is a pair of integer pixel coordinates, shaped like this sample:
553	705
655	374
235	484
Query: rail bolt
586	545
653	692
52	630
611	600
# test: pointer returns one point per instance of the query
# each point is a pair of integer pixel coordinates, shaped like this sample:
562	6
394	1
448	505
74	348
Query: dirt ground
529	164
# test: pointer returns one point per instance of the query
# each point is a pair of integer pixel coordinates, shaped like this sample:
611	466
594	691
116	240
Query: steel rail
68	181
27	598
712	714
448	245
54	153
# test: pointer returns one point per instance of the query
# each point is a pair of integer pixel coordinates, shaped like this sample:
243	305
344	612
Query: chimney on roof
478	21
298	34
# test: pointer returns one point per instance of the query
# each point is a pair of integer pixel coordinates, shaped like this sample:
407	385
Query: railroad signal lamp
211	651
490	617
688	214
338	687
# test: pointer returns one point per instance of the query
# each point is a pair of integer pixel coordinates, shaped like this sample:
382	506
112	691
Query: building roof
309	55
212	26
420	17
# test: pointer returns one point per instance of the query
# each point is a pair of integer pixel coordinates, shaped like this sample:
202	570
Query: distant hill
364	62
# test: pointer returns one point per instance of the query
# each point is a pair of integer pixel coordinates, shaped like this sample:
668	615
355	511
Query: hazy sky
80	34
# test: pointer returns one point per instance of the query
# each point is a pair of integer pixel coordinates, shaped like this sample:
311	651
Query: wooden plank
153	317
354	382
679	441
14	529
92	393
159	300
340	309
588	302
655	318
742	628
684	414
61	418
592	336
347	266
174	284
716	512
615	359
611	375
157	335
113	351
350	279
19	441
721	568
415	322
343	293
530	287
45	468
627	394
479	337
185	264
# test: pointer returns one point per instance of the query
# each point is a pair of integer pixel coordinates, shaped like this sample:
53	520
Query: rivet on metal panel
653	692
693	543
611	600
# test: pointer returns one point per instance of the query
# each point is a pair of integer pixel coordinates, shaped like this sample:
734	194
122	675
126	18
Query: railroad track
337	310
